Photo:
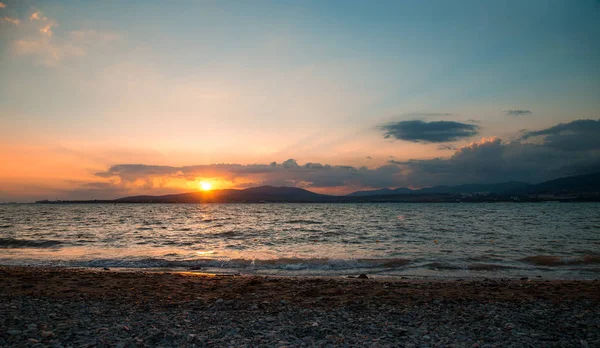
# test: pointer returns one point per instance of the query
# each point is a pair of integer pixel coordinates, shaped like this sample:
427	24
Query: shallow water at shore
559	241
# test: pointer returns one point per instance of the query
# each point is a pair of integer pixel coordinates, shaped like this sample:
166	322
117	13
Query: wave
486	267
471	267
7	243
552	260
441	265
306	222
284	264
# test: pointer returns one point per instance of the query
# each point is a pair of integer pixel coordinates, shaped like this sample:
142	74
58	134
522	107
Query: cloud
429	132
14	21
39	42
37	16
2	5
517	112
369	157
566	149
578	135
47	29
288	173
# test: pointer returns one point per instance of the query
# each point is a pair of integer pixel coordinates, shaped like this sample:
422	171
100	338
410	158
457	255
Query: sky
106	99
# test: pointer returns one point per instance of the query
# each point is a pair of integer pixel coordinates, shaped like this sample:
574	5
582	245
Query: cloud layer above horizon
489	160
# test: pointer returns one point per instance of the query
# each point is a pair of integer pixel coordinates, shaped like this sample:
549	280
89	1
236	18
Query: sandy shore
74	307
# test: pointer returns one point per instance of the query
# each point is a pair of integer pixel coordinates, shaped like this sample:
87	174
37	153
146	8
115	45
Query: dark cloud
562	150
517	112
491	161
573	136
369	157
429	132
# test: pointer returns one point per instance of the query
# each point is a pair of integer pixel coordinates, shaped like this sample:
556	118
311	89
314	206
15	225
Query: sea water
549	240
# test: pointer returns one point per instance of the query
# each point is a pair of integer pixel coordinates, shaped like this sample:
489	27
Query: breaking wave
551	260
290	264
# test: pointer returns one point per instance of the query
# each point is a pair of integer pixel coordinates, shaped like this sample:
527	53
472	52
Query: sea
445	240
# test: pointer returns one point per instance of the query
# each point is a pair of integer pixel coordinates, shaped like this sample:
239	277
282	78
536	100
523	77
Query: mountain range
576	184
574	188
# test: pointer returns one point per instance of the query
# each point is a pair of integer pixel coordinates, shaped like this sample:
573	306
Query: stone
13	332
363	276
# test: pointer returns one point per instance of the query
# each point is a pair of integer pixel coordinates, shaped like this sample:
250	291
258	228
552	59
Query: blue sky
90	85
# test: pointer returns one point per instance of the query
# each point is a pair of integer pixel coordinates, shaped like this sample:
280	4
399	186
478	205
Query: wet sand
137	308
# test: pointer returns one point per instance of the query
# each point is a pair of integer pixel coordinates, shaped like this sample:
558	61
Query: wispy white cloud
47	29
37	39
14	21
38	16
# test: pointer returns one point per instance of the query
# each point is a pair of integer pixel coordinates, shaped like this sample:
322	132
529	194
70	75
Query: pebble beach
66	307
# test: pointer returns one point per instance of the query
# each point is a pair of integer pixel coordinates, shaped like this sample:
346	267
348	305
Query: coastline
51	306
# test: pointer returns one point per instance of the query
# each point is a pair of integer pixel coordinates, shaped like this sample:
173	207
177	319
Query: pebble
369	322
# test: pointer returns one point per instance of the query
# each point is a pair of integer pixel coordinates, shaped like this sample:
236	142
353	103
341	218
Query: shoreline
42	281
50	306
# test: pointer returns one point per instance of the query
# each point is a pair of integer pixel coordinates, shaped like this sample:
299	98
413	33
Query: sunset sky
103	99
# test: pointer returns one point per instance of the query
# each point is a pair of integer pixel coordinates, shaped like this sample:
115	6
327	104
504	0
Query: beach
52	306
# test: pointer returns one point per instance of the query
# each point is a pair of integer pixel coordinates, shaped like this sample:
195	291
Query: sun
205	186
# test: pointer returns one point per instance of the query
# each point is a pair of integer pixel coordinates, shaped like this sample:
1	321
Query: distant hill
254	194
501	188
578	183
385	191
586	183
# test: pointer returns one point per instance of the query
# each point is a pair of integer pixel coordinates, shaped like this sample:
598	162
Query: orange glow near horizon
205	185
